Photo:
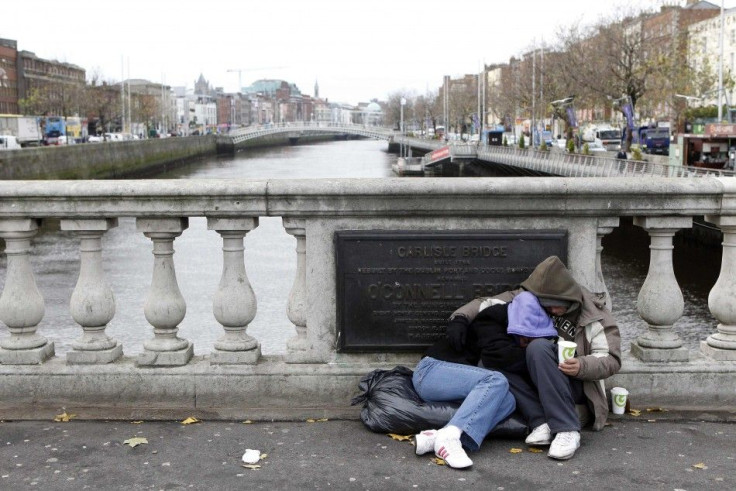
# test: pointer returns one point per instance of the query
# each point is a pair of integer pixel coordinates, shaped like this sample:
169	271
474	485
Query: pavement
650	451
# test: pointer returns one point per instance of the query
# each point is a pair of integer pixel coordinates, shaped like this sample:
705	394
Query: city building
8	77
704	55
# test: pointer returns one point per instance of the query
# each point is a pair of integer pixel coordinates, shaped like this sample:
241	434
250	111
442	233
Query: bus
53	128
74	127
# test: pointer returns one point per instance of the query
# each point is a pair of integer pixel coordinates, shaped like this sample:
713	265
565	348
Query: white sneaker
451	451
425	441
541	435
564	445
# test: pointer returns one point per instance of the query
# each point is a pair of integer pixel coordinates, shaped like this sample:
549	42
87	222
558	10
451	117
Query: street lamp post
720	71
403	103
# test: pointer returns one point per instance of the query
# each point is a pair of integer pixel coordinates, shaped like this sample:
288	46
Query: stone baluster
234	305
660	302
165	307
605	227
92	304
21	304
296	310
722	345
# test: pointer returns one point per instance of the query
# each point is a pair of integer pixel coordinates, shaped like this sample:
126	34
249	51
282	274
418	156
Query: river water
271	259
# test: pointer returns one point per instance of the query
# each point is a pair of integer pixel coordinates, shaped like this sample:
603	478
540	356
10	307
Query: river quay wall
108	160
130	159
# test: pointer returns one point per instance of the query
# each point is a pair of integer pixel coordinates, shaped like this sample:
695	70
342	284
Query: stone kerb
315	379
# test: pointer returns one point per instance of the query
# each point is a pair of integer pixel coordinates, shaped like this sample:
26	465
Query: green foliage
570	145
543	146
505	142
522	143
702	112
636	153
586	149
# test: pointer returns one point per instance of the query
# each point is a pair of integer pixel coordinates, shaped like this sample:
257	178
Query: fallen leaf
438	461
320	420
701	465
400	438
264	455
134	442
252	466
635	412
190	421
515	450
136	422
247	422
535	450
64	417
656	410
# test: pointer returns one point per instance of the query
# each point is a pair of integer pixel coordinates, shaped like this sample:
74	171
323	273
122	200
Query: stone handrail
312	211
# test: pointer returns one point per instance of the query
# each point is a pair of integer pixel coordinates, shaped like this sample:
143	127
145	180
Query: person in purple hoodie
450	372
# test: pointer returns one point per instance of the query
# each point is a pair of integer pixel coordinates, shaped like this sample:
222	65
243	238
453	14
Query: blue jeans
484	394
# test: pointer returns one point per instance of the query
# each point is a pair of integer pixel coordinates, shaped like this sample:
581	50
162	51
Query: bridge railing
579	165
258	131
312	211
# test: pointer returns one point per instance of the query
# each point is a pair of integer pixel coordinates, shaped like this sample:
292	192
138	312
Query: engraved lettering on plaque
396	290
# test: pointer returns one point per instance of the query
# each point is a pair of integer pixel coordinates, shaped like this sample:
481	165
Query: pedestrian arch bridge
297	129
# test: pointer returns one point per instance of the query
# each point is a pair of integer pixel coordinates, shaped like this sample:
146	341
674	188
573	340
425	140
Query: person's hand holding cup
565	350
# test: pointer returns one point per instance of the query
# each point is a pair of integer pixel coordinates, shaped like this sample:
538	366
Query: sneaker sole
539	443
454	467
563	457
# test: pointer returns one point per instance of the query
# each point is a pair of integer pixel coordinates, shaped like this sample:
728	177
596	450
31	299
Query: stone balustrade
314	378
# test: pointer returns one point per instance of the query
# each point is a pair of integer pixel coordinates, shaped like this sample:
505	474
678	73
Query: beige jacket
587	322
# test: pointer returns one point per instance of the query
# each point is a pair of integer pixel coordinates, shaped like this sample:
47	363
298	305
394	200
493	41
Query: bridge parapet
314	377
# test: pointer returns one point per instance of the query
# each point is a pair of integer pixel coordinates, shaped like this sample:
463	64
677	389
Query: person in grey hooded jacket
548	394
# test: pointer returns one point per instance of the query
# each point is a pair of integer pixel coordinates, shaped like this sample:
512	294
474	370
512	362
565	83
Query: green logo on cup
568	353
619	400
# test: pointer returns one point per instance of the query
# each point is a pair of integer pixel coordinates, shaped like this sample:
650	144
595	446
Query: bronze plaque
396	289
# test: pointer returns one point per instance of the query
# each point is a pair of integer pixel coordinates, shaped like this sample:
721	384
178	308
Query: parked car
94	139
595	148
9	142
560	143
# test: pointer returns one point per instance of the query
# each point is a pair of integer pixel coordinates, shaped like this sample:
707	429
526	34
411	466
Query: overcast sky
356	49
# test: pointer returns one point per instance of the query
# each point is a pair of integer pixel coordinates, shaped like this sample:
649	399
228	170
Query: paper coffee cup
618	399
565	350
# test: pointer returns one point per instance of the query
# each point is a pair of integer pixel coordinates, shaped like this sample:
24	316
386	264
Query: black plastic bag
391	405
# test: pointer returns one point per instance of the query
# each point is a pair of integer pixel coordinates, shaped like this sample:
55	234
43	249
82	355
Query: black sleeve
498	349
502	353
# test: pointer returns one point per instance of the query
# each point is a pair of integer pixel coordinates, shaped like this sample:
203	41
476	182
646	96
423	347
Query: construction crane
241	70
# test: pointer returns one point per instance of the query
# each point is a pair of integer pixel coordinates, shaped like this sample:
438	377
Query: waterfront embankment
120	160
111	160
